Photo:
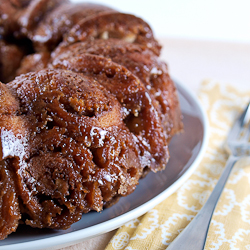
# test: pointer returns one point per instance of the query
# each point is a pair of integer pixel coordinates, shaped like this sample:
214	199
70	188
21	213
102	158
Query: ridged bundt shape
87	108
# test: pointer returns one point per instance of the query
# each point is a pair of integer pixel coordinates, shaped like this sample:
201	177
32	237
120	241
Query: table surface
190	62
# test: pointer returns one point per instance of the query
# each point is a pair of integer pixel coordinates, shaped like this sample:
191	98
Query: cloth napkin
230	226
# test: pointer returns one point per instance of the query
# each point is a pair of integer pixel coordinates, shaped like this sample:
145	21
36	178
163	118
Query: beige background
224	20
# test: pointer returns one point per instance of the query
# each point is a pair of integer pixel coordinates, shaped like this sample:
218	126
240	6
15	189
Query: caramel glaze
35	13
10	12
37	26
113	25
144	64
33	62
12	130
10	211
142	119
10	59
56	24
79	155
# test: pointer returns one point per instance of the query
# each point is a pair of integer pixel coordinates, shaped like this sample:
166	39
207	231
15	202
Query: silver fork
193	237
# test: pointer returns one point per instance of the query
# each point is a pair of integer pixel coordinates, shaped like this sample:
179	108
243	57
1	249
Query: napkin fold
230	226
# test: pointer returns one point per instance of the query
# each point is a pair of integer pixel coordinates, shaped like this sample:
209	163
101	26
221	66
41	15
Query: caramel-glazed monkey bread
87	108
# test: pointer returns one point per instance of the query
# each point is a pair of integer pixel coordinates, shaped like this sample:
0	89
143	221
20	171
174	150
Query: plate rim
75	237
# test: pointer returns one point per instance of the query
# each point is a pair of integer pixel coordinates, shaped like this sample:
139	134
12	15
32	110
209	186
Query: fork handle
195	234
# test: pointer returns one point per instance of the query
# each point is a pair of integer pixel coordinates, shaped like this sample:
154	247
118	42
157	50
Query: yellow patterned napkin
230	226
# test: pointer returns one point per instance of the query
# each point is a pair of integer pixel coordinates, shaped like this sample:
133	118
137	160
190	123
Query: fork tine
237	132
245	124
246	118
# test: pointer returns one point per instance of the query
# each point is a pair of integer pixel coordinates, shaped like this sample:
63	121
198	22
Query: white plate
186	151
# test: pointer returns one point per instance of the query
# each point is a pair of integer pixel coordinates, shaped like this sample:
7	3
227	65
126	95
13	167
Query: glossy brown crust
34	62
10	59
142	118
12	134
114	25
55	25
35	12
8	103
9	206
143	63
79	155
10	11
